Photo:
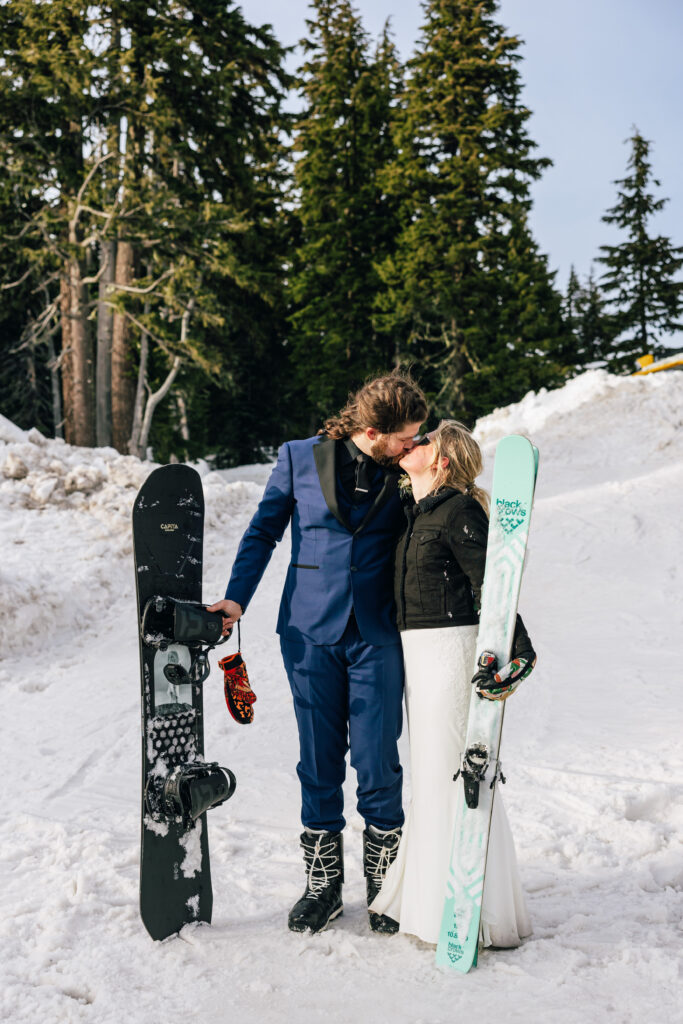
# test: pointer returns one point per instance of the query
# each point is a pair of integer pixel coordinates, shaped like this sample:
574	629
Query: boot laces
380	853
323	867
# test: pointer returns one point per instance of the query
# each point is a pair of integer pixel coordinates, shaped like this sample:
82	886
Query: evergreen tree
143	143
25	357
590	328
346	223
595	327
467	291
213	161
25	336
571	314
46	83
640	280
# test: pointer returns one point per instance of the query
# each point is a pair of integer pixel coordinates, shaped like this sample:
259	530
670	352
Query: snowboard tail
514	480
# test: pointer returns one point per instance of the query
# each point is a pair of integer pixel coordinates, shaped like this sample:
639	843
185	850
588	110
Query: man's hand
231	612
497	684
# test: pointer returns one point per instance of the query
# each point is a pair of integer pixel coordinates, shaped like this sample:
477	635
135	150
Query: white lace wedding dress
438	664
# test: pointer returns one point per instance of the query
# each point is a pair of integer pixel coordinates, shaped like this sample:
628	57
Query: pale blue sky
592	69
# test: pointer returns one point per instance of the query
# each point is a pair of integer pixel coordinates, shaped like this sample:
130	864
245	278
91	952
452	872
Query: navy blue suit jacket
333	568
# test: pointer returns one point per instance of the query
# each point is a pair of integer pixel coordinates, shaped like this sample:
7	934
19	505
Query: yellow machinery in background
647	364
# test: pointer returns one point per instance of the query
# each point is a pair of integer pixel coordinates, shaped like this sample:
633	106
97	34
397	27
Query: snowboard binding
188	791
475	763
167	620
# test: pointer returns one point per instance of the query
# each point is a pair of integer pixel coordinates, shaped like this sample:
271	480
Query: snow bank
65	519
591	749
596	426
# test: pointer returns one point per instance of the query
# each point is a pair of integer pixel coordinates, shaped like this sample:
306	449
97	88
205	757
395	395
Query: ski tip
517	441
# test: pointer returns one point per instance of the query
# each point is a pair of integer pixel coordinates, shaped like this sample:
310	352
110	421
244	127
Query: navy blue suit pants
347	696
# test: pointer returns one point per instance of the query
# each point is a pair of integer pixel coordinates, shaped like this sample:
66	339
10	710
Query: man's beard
378	452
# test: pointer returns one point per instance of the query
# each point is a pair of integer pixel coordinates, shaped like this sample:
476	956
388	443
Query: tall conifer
641	282
147	139
46	101
590	328
467	291
347	223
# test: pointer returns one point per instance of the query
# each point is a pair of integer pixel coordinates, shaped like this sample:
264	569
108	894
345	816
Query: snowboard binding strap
167	620
188	791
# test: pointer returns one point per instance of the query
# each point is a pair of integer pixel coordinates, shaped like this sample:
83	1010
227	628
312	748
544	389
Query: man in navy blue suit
337	626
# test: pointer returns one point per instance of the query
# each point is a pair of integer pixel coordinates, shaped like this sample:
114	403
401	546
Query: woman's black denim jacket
440	561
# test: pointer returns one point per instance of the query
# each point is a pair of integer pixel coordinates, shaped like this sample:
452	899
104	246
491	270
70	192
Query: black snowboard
175	875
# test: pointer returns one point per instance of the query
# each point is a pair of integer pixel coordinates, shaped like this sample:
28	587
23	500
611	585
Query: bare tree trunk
81	422
458	366
105	326
182	416
183	424
30	349
53	366
111	179
153	401
65	361
122	379
134	444
31	365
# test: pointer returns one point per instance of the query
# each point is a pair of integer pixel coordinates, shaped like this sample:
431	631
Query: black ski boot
379	851
322	900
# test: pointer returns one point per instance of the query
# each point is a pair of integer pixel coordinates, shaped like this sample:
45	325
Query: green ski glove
497	684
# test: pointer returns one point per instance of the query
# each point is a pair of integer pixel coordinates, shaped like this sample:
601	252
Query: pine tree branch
97	213
79	207
46	282
96	277
38	328
26	228
20	280
150	288
161	342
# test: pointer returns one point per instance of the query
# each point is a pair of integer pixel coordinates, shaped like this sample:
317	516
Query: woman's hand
231	612
497	684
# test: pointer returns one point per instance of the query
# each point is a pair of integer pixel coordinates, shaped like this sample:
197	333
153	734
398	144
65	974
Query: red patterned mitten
239	695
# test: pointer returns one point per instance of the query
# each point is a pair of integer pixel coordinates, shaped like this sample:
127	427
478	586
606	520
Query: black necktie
364	477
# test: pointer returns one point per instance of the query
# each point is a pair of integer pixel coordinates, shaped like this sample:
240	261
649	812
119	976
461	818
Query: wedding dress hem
438	668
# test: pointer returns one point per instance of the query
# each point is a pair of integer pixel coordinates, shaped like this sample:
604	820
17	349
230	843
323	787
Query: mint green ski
514	480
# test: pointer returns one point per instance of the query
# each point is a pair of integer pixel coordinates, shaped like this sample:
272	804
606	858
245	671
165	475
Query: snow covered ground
592	751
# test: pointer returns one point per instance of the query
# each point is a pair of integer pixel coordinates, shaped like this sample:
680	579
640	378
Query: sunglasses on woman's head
425	439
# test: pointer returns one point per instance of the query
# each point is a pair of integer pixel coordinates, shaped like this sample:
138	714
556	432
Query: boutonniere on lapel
405	488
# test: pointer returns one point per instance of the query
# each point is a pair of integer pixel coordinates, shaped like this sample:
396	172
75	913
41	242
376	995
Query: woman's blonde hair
454	441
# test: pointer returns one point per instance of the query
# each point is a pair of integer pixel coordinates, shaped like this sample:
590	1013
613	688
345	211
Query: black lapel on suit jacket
389	487
324	454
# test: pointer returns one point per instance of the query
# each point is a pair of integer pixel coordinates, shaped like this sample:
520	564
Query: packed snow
592	752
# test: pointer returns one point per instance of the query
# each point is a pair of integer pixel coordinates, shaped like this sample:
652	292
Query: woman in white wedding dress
439	573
